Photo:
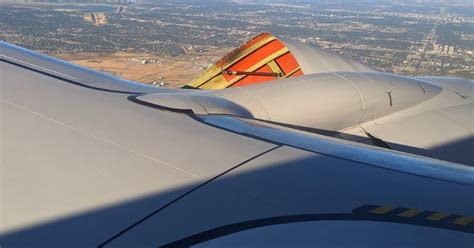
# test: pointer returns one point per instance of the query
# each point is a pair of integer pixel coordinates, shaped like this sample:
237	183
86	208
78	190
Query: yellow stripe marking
437	216
214	71
208	75
292	72
382	210
410	213
260	64
275	68
464	221
255	47
220	85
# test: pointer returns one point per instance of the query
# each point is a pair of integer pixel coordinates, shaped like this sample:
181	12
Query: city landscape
168	43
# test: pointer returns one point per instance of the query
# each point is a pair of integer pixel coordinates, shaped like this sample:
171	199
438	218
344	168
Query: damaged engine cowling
266	58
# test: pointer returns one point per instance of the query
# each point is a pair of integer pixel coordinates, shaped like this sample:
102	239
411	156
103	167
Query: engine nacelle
329	101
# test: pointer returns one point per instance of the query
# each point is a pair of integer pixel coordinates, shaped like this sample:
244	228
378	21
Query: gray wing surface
85	165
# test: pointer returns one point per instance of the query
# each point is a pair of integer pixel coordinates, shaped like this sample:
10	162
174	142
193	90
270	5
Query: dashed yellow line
418	217
464	220
437	216
382	210
410	213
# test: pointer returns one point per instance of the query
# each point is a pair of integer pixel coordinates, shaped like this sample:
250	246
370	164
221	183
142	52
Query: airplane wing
329	93
90	160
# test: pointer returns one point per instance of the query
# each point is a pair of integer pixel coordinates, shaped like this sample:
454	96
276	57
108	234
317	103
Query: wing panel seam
101	139
184	195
